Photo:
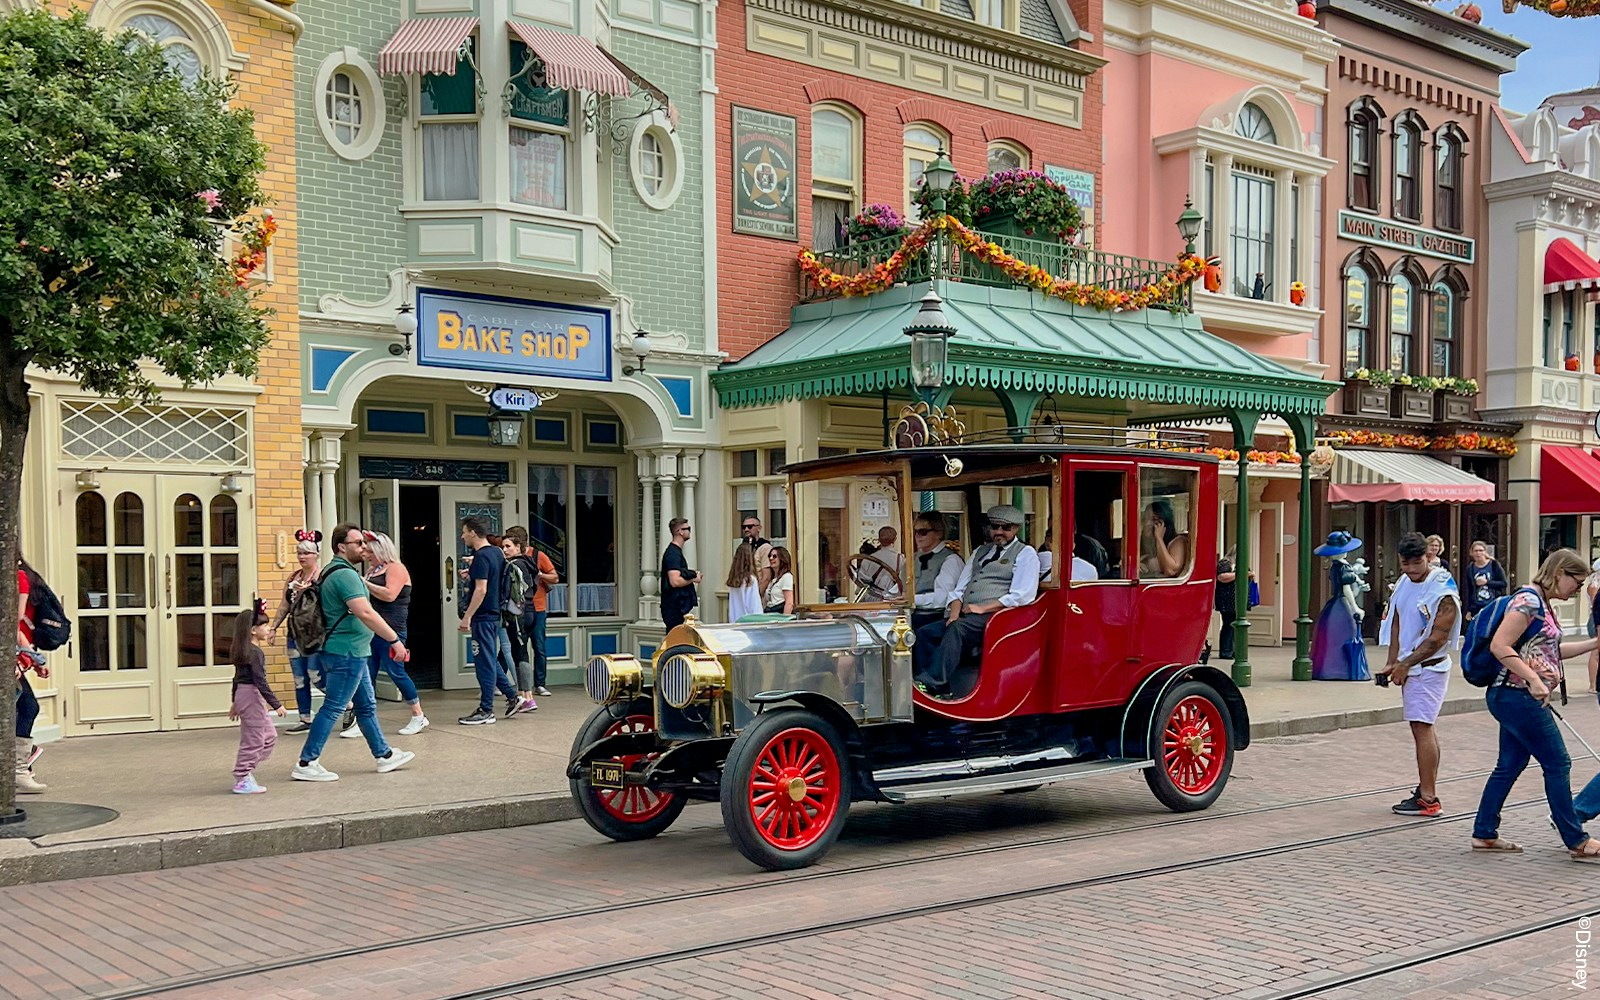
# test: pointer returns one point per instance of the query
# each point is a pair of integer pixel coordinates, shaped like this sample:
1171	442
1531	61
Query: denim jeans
1527	729
302	667
508	649
533	626
394	668
486	665
27	708
348	684
1587	804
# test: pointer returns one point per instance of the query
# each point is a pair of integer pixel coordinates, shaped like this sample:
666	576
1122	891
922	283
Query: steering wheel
872	583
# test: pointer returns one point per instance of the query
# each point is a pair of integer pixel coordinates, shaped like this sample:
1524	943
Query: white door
206	556
456	503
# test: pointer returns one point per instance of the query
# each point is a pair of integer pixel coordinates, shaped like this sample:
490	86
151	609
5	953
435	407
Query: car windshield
850	536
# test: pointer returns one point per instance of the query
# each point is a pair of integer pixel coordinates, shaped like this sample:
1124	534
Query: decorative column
667	479
1304	429
688	476
311	487
649	585
1222	218
1308	213
325	449
1244	434
1284	235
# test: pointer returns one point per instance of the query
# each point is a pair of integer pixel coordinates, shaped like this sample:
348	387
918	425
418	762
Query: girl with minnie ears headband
308	549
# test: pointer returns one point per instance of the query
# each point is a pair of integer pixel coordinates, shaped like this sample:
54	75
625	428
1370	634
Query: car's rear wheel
785	789
1193	748
634	812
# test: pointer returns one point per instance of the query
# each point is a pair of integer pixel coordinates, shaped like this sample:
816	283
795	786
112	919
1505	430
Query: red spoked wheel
1192	748
634	812
785	790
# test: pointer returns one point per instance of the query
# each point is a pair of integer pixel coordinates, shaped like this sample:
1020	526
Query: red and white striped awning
572	62
426	45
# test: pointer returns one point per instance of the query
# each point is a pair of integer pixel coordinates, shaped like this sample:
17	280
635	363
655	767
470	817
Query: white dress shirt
943	584
1024	576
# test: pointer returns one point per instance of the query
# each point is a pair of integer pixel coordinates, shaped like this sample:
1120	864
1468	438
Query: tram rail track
789	936
762	881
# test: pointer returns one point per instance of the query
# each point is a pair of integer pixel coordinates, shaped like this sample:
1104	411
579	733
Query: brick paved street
1106	895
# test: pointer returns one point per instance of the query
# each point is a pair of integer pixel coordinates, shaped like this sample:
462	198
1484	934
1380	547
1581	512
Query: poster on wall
1080	188
763	181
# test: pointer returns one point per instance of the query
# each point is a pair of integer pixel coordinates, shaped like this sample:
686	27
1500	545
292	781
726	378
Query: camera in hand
1381	679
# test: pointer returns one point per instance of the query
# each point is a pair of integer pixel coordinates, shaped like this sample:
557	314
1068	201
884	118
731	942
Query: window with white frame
652	163
1253	123
759	491
448	109
655	156
1252	232
835	173
177	47
349	104
541	132
923	142
1005	155
572	518
1003	14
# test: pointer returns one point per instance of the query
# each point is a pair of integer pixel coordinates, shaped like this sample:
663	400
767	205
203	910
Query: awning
572	62
426	45
1566	267
1388	477
1569	481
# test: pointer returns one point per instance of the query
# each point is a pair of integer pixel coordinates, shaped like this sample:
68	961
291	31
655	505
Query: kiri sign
483	333
1388	233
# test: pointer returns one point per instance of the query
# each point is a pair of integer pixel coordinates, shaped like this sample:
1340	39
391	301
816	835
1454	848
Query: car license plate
605	774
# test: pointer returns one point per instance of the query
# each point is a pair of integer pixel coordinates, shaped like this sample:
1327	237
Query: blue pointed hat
1339	542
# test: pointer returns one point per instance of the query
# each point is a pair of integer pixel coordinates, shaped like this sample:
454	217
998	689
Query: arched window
1448	156
1007	156
1401	310
1253	123
177	48
1407	170
835	174
1445	356
1363	129
923	141
1357	317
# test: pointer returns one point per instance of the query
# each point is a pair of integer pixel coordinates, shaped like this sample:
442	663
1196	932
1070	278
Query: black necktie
991	557
923	559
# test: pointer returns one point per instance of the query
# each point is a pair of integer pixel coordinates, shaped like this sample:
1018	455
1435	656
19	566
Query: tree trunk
14	412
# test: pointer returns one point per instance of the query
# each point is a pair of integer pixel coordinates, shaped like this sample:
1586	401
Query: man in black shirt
677	579
763	553
482	619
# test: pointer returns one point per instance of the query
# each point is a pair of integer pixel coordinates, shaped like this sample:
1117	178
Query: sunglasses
751	527
925	531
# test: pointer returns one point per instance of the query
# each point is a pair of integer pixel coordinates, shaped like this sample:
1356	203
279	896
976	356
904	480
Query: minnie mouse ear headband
260	611
306	535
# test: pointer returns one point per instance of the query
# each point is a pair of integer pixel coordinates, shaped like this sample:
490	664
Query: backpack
51	627
515	584
307	627
1478	664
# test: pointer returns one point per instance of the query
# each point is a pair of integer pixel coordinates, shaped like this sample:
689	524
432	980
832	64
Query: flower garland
1502	446
252	255
884	274
1231	455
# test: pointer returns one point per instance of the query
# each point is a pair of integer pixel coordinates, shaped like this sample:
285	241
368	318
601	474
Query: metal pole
1302	624
1244	434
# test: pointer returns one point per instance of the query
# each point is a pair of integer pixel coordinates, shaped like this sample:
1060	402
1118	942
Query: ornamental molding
1297	86
1548	415
1218	137
1548	186
1272	20
1484	46
956	41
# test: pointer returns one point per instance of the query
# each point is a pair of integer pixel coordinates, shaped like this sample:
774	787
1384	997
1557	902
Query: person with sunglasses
761	549
936	570
677	579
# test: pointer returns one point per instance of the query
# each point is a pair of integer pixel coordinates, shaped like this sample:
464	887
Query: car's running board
978	784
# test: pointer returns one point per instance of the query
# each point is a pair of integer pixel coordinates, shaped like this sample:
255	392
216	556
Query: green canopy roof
1012	338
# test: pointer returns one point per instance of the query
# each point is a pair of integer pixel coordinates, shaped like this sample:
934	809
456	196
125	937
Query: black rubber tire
1160	780
737	812
589	802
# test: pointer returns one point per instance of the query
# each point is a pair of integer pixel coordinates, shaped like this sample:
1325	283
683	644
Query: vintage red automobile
787	722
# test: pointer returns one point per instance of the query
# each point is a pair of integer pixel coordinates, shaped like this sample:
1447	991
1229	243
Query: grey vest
992	581
927	577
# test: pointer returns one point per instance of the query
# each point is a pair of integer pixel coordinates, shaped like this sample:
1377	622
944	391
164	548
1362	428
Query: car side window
1097	519
1166	517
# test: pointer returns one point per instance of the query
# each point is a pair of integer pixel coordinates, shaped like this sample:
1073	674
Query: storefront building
153	522
1544	348
521	185
1233	93
1410	118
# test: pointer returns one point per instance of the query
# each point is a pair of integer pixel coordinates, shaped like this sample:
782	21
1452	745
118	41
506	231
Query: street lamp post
1189	224
939	175
930	336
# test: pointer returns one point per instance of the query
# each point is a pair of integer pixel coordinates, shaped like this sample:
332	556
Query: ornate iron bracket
600	114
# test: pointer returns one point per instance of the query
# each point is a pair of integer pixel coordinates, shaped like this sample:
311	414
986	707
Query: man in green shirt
344	659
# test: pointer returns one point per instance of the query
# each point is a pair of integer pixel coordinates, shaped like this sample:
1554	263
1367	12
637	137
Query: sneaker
478	718
542	691
354	732
349	719
33	755
28	784
304	725
417	724
247	786
522	705
1416	805
313	771
396	760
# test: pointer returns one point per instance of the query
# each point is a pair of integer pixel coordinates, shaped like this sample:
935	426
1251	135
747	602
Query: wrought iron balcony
944	259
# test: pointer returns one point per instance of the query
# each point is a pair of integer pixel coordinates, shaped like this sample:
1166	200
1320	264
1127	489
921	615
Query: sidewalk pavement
173	790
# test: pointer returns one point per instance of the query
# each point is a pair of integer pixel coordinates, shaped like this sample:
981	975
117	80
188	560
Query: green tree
117	184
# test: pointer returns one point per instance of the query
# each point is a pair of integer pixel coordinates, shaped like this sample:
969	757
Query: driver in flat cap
1003	573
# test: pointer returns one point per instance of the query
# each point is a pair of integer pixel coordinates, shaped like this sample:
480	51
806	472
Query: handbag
1255	593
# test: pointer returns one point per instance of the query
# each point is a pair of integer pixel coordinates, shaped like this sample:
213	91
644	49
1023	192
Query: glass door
455	504
204	553
114	688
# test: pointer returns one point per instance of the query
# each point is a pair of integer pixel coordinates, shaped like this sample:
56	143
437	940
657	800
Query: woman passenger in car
1163	551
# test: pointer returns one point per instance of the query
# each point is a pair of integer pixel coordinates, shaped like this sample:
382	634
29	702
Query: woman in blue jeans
1519	701
304	668
389	582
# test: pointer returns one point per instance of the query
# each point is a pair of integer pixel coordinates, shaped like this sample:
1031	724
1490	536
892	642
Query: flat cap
1005	514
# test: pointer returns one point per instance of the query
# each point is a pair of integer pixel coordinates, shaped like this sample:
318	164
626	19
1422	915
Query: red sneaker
1416	805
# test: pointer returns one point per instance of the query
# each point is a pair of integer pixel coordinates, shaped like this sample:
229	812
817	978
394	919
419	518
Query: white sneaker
27	784
542	692
417	724
396	759
354	732
313	771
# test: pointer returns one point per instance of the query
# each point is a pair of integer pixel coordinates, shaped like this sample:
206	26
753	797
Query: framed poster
763	175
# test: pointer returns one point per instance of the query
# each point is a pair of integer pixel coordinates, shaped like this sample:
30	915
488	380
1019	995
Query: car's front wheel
786	789
633	812
1193	749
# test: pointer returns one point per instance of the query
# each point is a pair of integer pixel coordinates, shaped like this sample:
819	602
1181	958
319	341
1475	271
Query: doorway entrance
417	534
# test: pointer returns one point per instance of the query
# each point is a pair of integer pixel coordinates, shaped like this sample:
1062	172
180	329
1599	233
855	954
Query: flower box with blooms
1410	401
876	222
957	201
1366	393
1025	203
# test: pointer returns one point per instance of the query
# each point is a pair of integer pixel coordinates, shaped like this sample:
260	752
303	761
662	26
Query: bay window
1252	232
448	108
540	134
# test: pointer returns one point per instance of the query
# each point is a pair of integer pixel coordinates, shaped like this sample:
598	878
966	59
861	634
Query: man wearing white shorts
1422	626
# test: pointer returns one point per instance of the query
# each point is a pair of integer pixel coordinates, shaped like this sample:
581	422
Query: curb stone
156	852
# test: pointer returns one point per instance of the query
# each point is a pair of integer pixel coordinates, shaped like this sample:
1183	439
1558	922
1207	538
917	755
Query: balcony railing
945	260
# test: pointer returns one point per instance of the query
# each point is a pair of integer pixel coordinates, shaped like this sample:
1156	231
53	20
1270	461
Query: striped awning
572	62
426	45
1390	477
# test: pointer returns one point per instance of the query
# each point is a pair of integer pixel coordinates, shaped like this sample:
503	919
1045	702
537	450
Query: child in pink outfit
253	700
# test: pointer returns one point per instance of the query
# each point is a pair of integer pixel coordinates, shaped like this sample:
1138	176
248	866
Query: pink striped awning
572	62
426	45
